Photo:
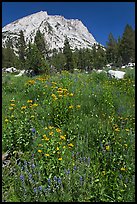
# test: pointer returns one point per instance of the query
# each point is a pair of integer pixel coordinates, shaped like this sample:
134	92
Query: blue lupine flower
67	171
84	159
25	163
120	176
88	160
40	188
33	166
35	190
81	180
59	180
48	188
55	178
22	178
75	168
30	178
33	130
49	181
126	180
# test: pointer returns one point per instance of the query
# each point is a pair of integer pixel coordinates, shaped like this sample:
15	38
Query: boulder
116	74
21	73
10	70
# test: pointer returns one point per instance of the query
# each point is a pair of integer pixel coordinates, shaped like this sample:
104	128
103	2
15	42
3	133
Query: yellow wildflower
47	155
71	94
60	92
23	107
70	145
51	127
125	145
31	82
123	169
12	104
35	105
62	137
104	173
64	147
60	159
11	108
117	129
65	90
107	147
40	145
45	128
51	133
127	130
29	101
70	107
6	120
78	106
59	89
57	148
58	130
12	100
53	82
54	96
45	138
39	150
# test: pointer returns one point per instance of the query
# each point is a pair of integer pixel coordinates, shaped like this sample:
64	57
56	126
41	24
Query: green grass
74	135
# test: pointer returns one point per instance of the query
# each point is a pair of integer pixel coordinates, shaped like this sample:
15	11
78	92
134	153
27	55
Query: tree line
36	56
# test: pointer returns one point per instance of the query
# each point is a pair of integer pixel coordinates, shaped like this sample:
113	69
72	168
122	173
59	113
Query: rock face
54	27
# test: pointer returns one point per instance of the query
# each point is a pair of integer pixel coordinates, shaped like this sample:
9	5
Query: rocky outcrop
54	27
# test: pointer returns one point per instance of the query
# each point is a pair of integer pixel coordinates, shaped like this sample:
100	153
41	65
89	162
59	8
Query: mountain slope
55	28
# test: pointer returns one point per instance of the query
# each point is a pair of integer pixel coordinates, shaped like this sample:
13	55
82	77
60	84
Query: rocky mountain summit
54	27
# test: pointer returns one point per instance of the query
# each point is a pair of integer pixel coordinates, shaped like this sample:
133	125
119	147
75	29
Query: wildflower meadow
71	137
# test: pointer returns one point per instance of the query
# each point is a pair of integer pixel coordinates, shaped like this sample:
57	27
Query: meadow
71	138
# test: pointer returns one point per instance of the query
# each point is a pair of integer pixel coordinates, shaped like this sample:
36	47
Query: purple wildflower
59	180
33	130
21	177
35	190
33	166
40	188
81	180
49	181
55	178
74	168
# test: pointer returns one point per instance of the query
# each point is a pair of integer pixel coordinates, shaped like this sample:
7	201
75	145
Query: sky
100	18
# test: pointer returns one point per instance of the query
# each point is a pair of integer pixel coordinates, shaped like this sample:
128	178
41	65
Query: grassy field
71	136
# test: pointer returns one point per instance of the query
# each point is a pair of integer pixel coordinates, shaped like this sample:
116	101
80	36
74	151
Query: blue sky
100	18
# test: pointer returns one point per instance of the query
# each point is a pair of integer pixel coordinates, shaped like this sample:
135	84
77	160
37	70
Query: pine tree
111	51
35	60
99	57
8	55
127	45
58	60
69	66
40	43
21	45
